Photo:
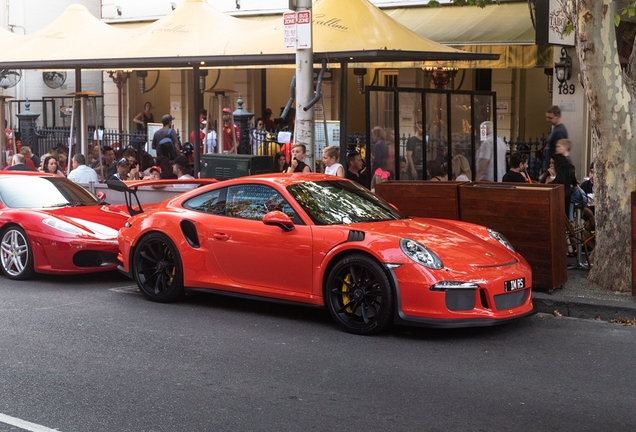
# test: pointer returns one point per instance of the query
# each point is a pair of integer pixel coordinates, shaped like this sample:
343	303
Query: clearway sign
297	30
289	22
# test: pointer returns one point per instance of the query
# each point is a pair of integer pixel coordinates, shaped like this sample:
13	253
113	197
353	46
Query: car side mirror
280	219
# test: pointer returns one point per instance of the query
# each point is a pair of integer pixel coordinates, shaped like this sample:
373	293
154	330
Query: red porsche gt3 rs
53	225
326	241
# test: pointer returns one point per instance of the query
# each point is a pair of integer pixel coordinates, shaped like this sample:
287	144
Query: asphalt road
89	354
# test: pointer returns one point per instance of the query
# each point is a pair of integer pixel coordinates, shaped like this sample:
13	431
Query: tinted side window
255	201
210	202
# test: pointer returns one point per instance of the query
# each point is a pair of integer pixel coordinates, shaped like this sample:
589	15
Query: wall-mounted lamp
141	78
118	9
173	5
563	68
238	4
360	73
202	74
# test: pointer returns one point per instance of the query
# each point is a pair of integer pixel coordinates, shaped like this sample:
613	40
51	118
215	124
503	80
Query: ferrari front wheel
17	256
359	295
157	268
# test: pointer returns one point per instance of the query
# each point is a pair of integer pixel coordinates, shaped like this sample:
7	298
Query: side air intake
355	236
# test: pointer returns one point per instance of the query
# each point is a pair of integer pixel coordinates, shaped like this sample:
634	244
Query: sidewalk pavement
580	298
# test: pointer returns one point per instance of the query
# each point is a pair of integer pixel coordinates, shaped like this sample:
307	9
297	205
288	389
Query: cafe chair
576	237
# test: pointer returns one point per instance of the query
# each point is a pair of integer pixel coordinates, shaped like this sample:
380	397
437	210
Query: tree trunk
611	104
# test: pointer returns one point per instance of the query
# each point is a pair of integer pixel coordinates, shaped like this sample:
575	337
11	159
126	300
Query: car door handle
220	236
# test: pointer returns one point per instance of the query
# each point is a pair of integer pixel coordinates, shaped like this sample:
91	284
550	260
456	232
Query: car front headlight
420	254
61	225
500	238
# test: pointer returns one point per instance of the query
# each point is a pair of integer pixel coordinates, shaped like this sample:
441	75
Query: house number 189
566	88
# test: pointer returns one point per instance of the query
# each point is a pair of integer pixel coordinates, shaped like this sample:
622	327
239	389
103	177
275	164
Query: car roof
285	179
26	173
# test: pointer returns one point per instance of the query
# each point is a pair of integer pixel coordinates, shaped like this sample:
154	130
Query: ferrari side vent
355	236
190	233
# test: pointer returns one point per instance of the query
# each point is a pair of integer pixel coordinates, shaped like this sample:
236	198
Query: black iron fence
58	137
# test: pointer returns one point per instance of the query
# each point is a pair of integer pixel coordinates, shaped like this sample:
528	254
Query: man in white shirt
81	173
181	167
485	156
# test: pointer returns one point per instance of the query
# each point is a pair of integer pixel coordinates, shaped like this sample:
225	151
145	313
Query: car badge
488	254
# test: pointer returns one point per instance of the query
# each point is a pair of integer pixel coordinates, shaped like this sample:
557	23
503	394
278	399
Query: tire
157	269
16	255
359	295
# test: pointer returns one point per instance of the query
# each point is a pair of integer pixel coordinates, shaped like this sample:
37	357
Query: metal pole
3	135
343	115
120	121
304	128
83	126
220	133
73	121
77	124
196	98
3	138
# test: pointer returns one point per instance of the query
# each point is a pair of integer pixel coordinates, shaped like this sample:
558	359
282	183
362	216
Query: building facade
523	88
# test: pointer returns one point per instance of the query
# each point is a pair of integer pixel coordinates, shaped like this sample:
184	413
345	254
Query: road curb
579	307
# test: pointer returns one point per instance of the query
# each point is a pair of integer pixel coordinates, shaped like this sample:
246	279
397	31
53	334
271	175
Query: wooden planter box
421	198
530	216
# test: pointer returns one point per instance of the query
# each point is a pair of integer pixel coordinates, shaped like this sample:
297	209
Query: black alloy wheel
157	268
359	295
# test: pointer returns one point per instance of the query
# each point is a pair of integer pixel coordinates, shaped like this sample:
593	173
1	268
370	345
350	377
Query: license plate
515	284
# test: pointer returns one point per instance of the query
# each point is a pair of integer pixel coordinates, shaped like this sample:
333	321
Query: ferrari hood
102	221
451	241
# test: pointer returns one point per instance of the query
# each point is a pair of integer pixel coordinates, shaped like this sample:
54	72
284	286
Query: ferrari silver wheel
16	256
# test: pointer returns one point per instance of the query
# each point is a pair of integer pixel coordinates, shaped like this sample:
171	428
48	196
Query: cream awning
504	29
196	32
503	24
76	37
356	30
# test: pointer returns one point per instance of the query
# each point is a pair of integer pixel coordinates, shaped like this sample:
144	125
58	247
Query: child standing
563	147
299	151
329	157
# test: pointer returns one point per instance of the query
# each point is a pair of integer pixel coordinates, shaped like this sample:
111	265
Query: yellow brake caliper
345	288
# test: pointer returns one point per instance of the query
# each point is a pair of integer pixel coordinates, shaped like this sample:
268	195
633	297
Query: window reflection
340	202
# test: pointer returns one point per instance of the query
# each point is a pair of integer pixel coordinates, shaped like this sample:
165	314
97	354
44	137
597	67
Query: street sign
303	30
297	30
289	23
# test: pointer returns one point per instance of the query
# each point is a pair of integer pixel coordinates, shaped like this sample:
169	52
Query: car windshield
340	202
18	191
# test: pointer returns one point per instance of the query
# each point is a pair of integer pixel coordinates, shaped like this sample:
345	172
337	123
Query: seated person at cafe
588	185
517	168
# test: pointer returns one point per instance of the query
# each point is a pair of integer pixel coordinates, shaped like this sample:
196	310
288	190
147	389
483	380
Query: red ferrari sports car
53	225
326	241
